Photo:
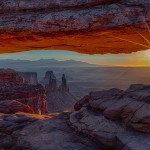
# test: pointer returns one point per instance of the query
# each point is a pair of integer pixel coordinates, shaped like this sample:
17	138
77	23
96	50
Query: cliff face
30	77
113	26
26	131
112	118
11	76
64	86
19	96
48	75
59	98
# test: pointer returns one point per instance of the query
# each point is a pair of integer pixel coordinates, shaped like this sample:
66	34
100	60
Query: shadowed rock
30	77
115	119
11	76
59	97
63	85
16	95
49	76
25	131
12	106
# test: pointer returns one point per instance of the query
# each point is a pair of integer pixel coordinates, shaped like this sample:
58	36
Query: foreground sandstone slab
113	118
49	132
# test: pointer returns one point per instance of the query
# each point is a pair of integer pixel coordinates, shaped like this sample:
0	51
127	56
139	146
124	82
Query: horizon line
96	65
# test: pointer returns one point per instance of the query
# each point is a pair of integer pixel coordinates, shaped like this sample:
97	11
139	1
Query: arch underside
92	28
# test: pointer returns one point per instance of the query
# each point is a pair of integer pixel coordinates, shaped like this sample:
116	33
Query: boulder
115	121
17	95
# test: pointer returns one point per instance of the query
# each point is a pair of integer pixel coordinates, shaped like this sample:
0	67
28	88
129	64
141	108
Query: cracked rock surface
115	119
43	133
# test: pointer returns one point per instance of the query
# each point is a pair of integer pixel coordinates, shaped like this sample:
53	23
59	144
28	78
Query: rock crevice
115	119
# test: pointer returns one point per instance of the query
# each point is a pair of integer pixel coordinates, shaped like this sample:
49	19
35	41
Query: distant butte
93	27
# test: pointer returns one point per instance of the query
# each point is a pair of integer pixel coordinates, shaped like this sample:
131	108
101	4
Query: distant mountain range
42	63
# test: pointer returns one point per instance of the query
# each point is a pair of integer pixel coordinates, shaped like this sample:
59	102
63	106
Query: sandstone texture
24	120
16	95
112	119
25	131
10	76
58	96
92	26
115	119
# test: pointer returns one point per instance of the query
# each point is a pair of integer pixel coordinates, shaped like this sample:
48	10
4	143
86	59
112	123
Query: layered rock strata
26	131
110	26
11	76
16	95
115	119
30	77
64	86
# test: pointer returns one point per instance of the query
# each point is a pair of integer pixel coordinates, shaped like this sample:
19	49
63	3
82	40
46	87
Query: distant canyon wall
115	119
59	97
16	95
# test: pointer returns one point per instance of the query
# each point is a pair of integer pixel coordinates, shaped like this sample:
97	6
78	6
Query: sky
141	58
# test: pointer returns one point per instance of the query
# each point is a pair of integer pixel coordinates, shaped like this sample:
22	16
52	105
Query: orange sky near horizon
141	58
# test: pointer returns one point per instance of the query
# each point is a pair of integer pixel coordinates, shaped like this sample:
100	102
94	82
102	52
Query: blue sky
139	58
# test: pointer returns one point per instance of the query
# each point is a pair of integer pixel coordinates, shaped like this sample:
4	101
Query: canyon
93	26
115	119
44	114
17	95
22	91
110	119
24	104
59	98
30	77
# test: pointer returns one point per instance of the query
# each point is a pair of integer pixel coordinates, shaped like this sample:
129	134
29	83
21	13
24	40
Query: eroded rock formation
30	77
16	95
115	119
93	26
25	131
52	86
30	130
11	76
64	86
46	79
59	97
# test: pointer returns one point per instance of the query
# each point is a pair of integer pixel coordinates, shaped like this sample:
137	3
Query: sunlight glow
141	58
147	40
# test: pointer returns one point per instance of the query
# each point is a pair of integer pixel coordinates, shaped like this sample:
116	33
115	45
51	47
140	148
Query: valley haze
83	77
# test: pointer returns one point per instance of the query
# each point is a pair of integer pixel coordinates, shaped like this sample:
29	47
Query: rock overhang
92	27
